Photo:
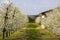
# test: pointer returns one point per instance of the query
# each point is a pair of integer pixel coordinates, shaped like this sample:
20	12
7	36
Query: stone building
50	19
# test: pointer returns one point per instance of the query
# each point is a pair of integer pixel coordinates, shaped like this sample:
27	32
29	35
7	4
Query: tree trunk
3	35
9	33
6	34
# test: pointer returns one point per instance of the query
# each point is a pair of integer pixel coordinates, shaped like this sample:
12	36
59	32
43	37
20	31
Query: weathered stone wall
52	20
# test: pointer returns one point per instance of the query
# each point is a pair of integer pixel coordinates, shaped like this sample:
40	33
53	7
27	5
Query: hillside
32	18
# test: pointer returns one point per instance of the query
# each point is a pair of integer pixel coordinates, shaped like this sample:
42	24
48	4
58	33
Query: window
43	16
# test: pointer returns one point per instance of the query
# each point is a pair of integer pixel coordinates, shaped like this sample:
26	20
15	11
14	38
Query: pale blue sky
33	7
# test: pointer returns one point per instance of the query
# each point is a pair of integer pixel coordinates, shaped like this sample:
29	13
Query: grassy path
32	33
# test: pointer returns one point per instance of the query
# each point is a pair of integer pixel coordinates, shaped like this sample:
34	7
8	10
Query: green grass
32	25
19	34
33	32
40	34
1	36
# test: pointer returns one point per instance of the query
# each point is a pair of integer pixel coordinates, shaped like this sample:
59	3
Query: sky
34	7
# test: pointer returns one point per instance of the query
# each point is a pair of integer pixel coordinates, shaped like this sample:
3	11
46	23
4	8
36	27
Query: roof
43	13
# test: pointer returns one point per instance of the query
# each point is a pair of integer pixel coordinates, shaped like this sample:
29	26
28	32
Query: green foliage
36	33
32	25
32	34
31	20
